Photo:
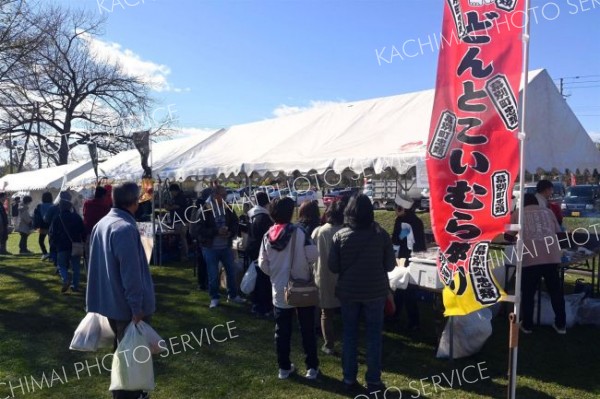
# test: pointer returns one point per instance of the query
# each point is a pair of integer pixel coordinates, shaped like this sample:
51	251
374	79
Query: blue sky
224	62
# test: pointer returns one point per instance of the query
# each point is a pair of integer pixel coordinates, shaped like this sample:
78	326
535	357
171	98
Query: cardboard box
424	275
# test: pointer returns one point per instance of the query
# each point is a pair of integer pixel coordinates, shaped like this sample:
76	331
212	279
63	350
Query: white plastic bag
470	333
152	338
572	304
589	312
399	278
93	332
249	281
132	368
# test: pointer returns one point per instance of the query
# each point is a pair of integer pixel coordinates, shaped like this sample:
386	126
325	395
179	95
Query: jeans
201	271
283	336
64	259
373	314
531	279
41	241
23	242
263	293
181	230
212	258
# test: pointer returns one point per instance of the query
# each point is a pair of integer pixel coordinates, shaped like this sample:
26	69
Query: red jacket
93	210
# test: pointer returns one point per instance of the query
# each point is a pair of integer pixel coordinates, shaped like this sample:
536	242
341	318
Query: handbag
76	247
300	293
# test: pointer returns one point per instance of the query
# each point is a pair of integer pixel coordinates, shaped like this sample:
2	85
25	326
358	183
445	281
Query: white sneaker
237	299
284	374
561	331
312	374
213	303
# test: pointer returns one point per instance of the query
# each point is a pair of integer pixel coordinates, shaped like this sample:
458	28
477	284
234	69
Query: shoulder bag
76	247
300	293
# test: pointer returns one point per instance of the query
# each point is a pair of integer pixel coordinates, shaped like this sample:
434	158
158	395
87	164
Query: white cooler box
423	272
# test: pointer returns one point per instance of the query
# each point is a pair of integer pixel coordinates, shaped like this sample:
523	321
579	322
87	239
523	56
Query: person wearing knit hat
409	236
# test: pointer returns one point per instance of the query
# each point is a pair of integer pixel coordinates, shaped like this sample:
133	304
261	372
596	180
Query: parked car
530	188
583	200
337	195
425	202
300	196
232	196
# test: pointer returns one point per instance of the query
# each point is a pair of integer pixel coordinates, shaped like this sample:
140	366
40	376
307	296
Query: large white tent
127	165
43	179
379	134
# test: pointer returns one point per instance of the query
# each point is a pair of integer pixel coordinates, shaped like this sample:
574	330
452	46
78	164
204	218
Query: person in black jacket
217	225
67	228
409	236
362	255
3	225
260	222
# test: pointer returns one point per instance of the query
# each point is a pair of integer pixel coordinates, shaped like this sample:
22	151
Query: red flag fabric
473	151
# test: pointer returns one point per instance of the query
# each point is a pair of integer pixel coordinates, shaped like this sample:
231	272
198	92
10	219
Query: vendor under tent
377	135
35	182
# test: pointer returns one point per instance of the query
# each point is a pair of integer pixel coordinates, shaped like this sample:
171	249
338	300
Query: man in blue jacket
120	286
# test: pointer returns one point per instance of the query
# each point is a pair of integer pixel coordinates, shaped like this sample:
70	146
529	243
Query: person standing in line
308	216
25	225
39	223
287	252
544	189
260	223
119	282
95	209
177	206
14	211
217	225
409	236
324	278
67	228
362	255
3	225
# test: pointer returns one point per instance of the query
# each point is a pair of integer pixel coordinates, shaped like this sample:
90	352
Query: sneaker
284	374
525	330
25	252
65	287
45	256
312	374
559	330
377	386
237	299
352	386
213	303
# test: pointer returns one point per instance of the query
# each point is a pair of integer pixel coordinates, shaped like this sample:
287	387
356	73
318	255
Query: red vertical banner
473	151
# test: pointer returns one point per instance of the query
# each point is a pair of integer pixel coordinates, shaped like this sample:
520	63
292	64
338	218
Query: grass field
37	323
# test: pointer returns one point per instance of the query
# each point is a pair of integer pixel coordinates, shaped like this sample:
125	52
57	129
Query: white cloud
285	110
595	136
155	75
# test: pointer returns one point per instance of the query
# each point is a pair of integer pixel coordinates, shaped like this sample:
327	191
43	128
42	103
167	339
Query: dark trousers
529	283
262	296
23	242
118	328
42	242
201	272
283	336
3	240
408	298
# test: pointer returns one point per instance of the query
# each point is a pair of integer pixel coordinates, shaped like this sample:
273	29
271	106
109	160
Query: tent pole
515	316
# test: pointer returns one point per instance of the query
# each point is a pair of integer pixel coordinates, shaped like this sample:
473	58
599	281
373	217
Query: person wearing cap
409	237
67	228
3	226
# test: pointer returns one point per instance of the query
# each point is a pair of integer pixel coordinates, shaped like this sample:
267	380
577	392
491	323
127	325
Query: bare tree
62	95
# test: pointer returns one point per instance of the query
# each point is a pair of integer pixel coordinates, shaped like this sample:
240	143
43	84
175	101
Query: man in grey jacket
120	286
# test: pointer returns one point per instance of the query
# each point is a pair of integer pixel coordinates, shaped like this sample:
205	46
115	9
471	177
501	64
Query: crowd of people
345	252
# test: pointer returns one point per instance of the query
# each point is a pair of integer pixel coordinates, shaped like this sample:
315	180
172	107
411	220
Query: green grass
37	323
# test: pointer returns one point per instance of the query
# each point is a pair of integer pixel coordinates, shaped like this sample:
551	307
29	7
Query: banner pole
514	318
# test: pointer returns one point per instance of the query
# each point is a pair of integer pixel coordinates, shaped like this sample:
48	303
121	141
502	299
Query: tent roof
127	165
42	179
387	132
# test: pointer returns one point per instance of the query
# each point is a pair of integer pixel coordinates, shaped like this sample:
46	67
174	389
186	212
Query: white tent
382	133
43	179
127	165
